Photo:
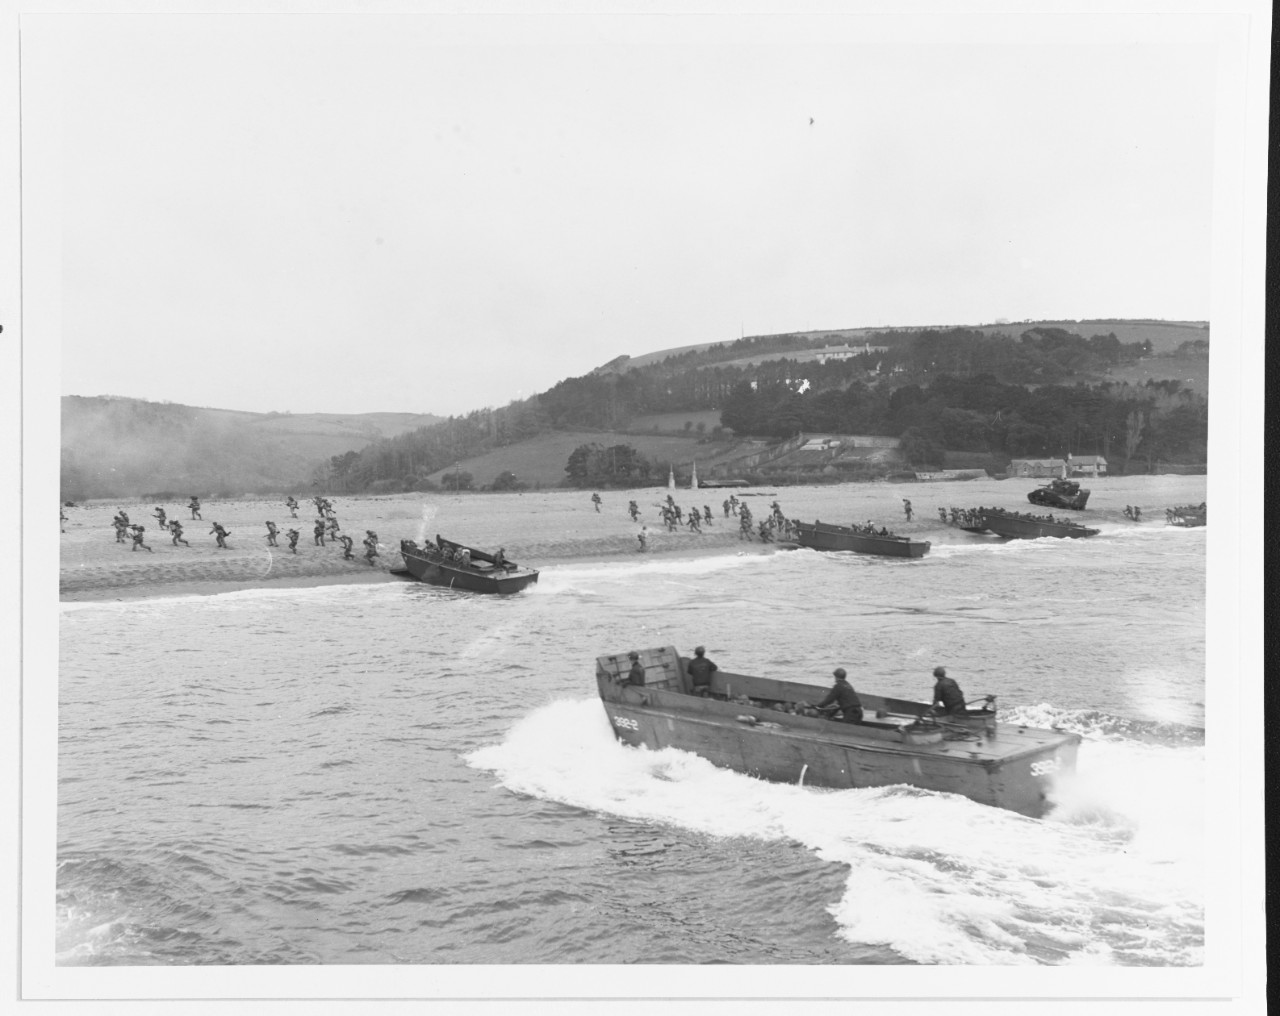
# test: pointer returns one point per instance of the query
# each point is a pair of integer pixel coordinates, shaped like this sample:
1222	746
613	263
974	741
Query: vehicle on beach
824	536
457	566
766	727
1189	516
1023	526
1060	493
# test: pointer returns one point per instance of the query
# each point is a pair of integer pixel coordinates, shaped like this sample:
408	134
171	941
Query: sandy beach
535	529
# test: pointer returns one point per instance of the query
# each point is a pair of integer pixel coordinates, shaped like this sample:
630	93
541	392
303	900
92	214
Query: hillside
116	447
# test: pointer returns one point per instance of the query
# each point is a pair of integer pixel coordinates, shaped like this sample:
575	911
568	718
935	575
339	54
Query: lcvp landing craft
758	726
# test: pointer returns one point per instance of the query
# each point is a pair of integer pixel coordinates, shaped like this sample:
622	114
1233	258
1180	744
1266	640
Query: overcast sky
357	214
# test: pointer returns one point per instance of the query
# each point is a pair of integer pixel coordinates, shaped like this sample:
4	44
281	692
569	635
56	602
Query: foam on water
1112	876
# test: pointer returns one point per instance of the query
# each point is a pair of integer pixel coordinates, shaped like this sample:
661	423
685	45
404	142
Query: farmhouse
1037	467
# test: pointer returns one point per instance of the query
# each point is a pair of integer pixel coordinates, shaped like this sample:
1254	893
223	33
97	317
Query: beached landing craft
758	726
1060	493
823	536
1018	526
1189	516
484	573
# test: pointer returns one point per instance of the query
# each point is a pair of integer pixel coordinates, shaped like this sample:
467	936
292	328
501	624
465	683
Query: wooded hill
996	391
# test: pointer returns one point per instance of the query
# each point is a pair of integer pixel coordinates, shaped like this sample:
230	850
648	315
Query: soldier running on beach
1137	514
194	505
271	534
595	500
643	537
291	503
318	530
906	507
766	534
744	524
137	538
175	528
695	520
346	542
331	525
121	526
634	510
293	535
221	535
160	519
706	514
370	545
725	505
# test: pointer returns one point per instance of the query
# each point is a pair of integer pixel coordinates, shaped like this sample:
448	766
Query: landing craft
768	728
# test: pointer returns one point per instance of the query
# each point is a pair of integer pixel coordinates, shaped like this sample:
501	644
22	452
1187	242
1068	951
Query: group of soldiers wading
673	516
326	526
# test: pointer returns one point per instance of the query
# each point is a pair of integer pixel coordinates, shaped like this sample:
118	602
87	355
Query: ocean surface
400	774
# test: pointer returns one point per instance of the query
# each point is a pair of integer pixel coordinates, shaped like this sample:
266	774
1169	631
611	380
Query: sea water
404	774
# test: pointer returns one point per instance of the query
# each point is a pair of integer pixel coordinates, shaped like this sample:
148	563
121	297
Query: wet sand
537	531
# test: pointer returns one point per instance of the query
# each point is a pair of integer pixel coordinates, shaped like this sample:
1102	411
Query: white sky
294	213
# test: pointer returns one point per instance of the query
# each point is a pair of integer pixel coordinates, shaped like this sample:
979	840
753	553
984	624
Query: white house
1087	465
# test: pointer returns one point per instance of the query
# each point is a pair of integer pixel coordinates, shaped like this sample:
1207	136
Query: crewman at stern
947	697
700	671
636	674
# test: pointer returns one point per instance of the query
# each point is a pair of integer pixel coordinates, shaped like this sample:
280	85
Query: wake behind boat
768	728
450	564
859	539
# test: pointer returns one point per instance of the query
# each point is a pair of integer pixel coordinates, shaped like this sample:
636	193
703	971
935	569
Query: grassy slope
541	460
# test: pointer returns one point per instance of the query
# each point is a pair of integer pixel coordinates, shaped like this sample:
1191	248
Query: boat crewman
636	674
500	557
946	694
842	697
700	671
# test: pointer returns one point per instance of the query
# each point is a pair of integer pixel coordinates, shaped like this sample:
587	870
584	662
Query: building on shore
1038	467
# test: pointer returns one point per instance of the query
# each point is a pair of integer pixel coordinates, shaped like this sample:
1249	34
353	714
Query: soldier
159	514
946	694
1137	514
124	516
744	526
175	528
195	508
706	514
906	507
942	514
62	517
318	530
331	524
595	500
765	533
643	537
700	671
634	510
725	505
293	535
636	674
120	526
292	505
695	520
842	697
500	557
370	545
271	534
221	535
137	538
346	542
